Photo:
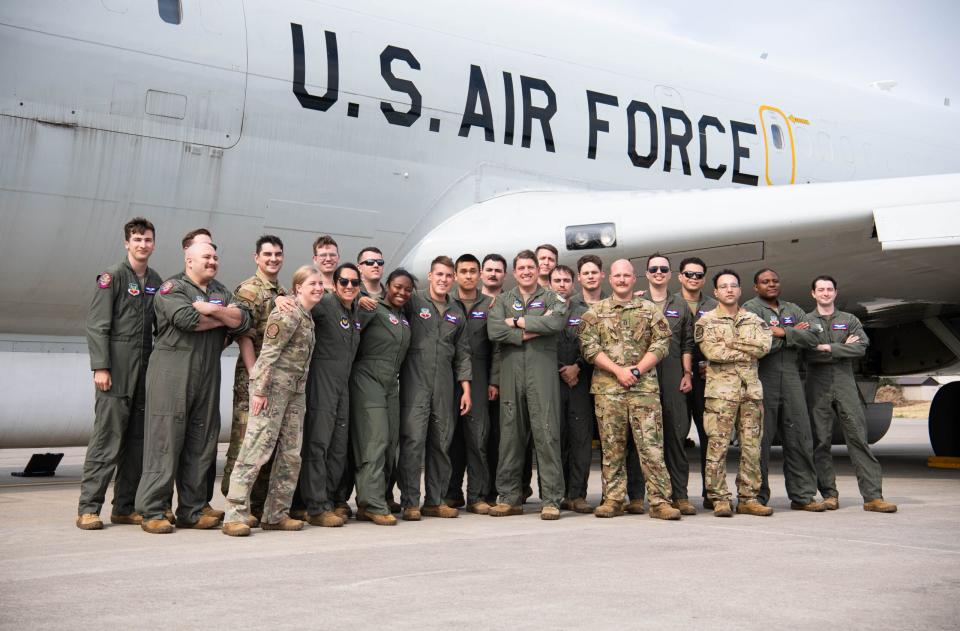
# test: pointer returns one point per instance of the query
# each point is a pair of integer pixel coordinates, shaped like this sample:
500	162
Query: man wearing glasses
370	261
692	274
326	258
733	339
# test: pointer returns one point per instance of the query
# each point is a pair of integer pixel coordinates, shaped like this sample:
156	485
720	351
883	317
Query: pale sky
913	42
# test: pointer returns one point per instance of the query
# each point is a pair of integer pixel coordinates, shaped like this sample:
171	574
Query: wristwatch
635	372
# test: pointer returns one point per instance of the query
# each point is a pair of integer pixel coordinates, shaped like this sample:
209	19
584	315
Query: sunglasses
378	262
663	269
694	275
348	282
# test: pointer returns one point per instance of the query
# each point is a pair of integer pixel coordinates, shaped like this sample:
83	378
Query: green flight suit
439	356
784	407
375	402
529	391
576	406
327	422
120	326
468	450
832	392
183	400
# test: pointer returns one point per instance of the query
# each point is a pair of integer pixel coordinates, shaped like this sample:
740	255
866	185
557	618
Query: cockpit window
777	134
170	11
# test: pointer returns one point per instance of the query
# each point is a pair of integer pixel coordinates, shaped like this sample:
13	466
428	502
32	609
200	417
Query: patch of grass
912	409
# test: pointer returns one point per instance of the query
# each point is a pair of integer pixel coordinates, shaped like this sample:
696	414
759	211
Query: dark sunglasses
379	262
663	269
694	275
351	282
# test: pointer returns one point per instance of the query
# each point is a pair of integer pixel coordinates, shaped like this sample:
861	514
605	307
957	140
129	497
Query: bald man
194	317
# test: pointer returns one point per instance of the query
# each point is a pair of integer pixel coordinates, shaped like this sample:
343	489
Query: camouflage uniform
256	295
734	397
625	332
280	374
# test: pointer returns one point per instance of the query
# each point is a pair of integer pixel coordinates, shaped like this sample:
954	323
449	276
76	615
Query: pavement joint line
392	577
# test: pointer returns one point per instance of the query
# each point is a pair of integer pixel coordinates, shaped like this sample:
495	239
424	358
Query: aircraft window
170	11
777	134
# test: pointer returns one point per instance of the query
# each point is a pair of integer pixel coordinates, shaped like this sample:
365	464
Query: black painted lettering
477	91
597	125
739	151
713	173
509	115
542	114
394	117
307	100
680	141
641	161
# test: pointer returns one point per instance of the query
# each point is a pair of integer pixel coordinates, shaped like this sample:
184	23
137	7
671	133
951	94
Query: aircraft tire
944	422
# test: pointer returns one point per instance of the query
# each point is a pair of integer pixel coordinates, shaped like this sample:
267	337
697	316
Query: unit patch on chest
133	289
425	313
840	326
671	313
393	319
478	315
452	319
344	322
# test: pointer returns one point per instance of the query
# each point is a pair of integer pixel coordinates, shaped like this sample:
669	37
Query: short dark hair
563	269
444	260
188	238
548	247
466	258
324	240
756	277
813	285
369	248
343	266
524	254
695	260
589	258
271	239
657	255
137	225
494	257
401	272
725	272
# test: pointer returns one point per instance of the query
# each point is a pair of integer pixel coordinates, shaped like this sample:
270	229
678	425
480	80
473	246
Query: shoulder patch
104	280
698	332
166	288
272	331
663	326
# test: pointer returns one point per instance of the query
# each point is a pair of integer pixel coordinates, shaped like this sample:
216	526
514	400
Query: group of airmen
356	381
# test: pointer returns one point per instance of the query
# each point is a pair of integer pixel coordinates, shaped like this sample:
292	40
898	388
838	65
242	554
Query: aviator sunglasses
349	282
694	275
378	262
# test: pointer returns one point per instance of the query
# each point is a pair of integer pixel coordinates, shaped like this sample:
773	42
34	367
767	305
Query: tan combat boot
394	506
664	511
156	526
170	517
721	508
286	523
376	518
206	522
89	521
580	505
813	506
566	504
326	519
685	507
455	502
236	529
503	509
753	507
549	513
831	503
210	511
609	508
343	510
252	521
479	508
301	514
439	510
635	507
133	519
411	513
879	506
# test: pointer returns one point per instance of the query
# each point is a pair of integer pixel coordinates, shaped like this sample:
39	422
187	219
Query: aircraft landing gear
944	421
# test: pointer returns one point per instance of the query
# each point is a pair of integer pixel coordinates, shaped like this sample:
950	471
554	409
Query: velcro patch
536	304
405	322
166	287
216	301
840	326
478	315
774	321
698	333
344	323
393	319
104	280
700	312
133	289
272	331
425	313
574	321
449	317
788	321
671	313
150	290
517	305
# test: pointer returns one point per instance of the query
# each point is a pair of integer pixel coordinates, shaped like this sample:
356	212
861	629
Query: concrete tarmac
845	569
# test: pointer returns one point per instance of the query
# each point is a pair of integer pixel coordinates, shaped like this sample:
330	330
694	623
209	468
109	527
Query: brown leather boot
156	526
343	510
394	506
566	504
635	507
253	521
664	511
831	503
753	507
478	508
301	514
210	511
685	507
206	522
580	505
236	529
170	517
287	523
89	521
133	519
813	506
439	510
411	513
721	508
503	509
455	502
549	513
609	508
326	519
879	506
377	518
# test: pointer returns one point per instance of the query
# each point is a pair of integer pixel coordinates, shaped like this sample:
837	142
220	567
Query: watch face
636	372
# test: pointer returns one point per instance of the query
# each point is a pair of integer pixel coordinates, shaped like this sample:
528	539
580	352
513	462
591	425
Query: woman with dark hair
375	397
326	425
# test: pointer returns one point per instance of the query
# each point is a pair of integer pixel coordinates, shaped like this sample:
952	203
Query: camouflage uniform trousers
720	418
278	427
616	415
241	412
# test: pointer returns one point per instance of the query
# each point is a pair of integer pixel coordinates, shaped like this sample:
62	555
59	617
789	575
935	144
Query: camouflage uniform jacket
733	345
256	295
285	356
624	332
